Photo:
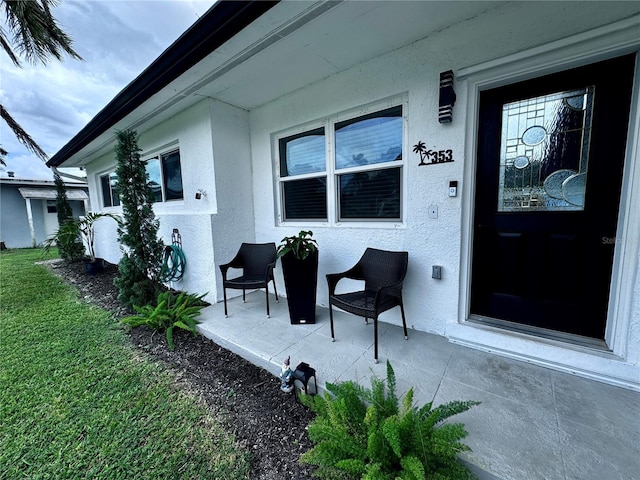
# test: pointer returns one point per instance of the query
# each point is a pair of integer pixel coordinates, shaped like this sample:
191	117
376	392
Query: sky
117	39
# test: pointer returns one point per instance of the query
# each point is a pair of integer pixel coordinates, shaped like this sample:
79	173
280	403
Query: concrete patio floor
533	423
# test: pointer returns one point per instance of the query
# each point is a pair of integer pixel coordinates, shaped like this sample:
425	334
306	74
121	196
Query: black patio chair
257	261
383	273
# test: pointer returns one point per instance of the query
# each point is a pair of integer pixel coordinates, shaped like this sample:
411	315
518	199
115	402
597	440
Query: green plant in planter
370	434
84	228
300	245
299	258
171	311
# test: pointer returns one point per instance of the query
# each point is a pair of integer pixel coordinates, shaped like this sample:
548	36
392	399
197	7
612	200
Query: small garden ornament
287	376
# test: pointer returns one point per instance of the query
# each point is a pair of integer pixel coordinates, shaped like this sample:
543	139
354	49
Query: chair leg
267	292
404	322
244	298
375	339
333	337
224	290
275	290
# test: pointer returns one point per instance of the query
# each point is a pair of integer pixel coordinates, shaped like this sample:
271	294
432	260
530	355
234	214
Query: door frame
599	44
49	220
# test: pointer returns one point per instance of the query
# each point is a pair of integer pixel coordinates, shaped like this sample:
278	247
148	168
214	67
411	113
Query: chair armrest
227	266
223	270
235	263
332	281
353	273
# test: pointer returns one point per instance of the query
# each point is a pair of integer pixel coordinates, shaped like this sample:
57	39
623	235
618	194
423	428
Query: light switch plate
436	272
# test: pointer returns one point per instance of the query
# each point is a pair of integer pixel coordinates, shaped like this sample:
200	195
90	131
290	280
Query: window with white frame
109	185
345	170
165	176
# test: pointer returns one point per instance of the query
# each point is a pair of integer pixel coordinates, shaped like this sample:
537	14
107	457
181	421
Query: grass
76	402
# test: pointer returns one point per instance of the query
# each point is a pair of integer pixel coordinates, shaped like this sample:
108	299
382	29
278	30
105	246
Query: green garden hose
173	263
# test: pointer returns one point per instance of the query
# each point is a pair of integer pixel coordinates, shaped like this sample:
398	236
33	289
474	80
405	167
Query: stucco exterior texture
230	154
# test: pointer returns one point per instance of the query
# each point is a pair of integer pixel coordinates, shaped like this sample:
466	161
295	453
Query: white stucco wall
233	223
431	305
191	132
215	153
228	153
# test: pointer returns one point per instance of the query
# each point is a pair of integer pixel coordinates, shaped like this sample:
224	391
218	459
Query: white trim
160	150
588	47
625	258
599	44
331	173
588	363
100	191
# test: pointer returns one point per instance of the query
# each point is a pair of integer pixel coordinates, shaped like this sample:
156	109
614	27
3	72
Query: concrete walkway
533	423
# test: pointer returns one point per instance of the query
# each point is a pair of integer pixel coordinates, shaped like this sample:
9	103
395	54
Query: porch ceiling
333	40
294	44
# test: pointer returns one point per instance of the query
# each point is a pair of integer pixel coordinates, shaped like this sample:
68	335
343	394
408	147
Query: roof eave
221	22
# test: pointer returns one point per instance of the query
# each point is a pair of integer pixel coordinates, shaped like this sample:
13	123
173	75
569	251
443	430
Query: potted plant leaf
299	257
84	228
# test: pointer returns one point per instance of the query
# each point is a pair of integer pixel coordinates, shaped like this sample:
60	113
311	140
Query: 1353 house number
432	157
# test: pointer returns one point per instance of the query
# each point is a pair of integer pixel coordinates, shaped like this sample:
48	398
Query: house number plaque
432	157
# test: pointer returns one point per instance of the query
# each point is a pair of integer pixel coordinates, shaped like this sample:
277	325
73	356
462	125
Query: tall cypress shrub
139	267
68	248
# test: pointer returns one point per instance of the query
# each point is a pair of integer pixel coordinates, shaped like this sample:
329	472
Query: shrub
369	434
82	229
140	265
69	246
170	312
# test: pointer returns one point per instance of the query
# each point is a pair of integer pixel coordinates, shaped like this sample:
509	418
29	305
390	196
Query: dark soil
267	422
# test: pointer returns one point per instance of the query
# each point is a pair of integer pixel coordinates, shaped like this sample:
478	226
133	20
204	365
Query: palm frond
35	33
22	136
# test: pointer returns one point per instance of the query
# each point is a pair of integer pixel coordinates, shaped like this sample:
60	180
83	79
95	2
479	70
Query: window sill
374	224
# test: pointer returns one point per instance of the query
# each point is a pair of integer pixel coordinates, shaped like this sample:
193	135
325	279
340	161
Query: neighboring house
264	119
28	212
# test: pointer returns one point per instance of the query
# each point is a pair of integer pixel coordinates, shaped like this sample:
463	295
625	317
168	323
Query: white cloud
26	167
117	40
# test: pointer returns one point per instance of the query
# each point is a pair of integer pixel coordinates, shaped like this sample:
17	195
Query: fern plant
370	434
170	312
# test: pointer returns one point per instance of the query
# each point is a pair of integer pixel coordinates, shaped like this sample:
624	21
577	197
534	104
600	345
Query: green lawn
77	402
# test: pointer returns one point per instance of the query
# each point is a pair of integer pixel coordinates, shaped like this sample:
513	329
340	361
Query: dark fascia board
221	22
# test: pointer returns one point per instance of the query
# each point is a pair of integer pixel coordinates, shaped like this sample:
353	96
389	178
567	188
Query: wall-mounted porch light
447	97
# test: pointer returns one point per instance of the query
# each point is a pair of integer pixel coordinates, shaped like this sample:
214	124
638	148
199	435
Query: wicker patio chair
257	261
383	273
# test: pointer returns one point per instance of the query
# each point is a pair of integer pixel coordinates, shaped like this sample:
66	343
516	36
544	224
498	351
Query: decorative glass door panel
550	162
544	152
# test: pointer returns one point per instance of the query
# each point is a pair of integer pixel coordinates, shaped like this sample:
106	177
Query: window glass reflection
172	175
371	139
155	178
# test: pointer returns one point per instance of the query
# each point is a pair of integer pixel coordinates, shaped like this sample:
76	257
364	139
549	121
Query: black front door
549	174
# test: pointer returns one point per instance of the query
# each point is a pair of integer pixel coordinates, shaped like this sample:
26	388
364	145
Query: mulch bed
266	421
